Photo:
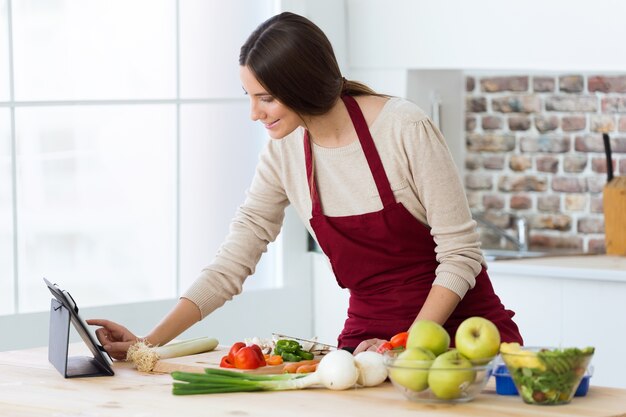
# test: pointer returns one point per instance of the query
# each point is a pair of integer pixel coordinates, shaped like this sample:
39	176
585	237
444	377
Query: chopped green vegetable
307	356
291	351
291	357
285	345
556	381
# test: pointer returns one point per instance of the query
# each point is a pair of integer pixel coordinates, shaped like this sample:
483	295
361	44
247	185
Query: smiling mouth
271	125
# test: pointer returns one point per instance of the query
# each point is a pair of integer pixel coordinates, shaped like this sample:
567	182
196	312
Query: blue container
504	382
582	389
506	386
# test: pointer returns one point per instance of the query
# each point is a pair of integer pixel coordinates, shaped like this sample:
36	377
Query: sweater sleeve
257	222
443	197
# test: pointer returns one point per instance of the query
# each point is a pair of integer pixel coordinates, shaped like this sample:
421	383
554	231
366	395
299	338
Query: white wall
440	94
533	34
330	16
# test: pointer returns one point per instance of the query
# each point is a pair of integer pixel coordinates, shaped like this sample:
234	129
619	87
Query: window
6	215
90	49
125	114
96	200
4	54
213	136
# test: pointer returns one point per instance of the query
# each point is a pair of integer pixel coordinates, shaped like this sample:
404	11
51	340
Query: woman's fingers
369	344
114	338
112	327
103	336
118	350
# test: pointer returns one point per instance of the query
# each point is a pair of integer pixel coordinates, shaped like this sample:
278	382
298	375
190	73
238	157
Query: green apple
478	339
429	335
414	379
450	375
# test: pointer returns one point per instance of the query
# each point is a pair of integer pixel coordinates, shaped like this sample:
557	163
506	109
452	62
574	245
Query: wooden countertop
30	386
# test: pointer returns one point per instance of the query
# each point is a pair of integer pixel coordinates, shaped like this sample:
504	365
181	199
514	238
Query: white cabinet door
537	305
594	314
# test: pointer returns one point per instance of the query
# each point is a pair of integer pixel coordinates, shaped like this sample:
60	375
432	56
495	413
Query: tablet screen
80	325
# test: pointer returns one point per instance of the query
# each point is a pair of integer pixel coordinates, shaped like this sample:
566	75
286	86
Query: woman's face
278	119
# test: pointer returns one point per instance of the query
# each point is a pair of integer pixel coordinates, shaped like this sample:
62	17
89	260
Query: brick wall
534	148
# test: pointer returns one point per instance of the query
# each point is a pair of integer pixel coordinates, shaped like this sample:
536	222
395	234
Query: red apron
387	260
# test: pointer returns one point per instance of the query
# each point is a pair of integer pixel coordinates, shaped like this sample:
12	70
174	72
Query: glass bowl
505	385
458	381
546	376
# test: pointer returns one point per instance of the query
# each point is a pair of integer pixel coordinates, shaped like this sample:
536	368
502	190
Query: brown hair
294	60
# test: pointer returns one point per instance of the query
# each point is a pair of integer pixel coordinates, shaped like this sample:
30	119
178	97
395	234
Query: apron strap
371	155
316	208
369	149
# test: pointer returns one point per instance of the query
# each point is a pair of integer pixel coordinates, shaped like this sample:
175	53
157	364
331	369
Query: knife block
614	202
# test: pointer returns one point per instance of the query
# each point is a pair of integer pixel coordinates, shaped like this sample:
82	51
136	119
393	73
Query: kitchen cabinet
569	301
31	387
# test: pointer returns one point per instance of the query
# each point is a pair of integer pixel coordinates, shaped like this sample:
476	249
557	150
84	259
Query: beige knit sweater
422	175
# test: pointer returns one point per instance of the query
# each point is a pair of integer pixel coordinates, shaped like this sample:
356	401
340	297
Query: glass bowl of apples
546	376
449	377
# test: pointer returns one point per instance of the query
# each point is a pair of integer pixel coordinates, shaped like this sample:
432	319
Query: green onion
337	371
221	381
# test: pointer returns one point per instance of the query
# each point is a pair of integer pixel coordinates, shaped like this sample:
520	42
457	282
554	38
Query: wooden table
30	386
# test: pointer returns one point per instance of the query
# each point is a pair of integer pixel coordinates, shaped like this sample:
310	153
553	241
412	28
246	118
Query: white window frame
286	309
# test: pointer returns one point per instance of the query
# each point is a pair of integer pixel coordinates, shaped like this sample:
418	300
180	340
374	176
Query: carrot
305	369
292	367
274	360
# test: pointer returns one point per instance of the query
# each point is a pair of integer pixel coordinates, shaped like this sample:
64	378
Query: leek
144	356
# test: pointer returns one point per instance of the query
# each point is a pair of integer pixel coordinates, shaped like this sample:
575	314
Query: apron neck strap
316	208
369	149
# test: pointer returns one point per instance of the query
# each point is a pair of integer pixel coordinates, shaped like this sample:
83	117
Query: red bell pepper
241	356
234	349
259	354
226	363
248	358
399	340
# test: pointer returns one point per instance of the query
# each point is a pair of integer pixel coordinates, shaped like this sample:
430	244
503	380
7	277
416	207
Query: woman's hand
369	344
115	338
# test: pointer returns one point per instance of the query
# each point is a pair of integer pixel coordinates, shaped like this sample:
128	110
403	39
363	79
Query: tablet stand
58	347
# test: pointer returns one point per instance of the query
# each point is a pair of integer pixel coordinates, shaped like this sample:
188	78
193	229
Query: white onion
372	370
337	371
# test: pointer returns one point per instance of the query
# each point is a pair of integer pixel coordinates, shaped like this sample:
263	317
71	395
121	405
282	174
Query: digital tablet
102	359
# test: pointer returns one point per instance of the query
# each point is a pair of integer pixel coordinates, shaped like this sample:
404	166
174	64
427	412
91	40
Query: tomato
399	340
234	349
384	347
247	358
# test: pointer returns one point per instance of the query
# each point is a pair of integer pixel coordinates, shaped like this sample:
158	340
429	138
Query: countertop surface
593	267
30	386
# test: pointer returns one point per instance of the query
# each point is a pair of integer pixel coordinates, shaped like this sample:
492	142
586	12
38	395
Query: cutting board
197	363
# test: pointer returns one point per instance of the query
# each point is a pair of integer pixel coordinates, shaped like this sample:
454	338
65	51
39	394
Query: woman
373	181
